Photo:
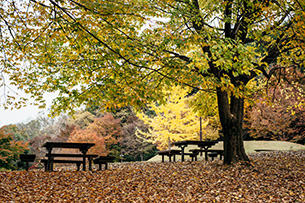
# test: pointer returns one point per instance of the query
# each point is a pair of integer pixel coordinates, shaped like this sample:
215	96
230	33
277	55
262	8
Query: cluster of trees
278	113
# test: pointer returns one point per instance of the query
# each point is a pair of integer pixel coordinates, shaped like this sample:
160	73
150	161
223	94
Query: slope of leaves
274	177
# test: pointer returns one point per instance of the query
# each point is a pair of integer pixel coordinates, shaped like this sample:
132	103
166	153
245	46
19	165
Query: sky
24	114
18	115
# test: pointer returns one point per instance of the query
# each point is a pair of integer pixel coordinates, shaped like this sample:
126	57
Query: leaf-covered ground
274	177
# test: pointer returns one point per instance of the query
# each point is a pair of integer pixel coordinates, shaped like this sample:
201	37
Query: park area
272	177
146	86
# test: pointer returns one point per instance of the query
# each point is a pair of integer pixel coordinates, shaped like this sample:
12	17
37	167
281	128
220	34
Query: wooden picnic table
83	148
205	145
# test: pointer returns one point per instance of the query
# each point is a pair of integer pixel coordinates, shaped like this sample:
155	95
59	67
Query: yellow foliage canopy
174	120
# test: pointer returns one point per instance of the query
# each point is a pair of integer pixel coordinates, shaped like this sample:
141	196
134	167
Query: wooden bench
192	155
27	158
103	160
52	160
45	162
169	153
213	153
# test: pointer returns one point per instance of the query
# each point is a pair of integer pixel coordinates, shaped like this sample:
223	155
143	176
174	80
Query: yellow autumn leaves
174	120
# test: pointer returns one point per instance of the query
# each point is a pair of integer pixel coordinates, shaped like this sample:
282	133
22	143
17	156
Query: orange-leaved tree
278	113
105	132
10	149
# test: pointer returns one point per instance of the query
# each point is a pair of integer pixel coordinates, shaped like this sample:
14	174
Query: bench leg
51	166
194	157
27	165
78	166
90	163
162	158
174	158
45	166
84	162
100	166
206	155
170	158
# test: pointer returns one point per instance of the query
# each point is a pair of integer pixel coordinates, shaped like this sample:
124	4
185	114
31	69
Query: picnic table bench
103	160
45	162
27	158
204	145
83	148
213	153
169	153
76	161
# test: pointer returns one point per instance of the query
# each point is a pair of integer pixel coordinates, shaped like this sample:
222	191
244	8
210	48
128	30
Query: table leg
182	152
90	163
48	166
84	161
206	153
84	152
51	163
27	165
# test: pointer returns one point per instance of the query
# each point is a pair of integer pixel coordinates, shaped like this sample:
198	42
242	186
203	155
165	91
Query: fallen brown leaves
274	177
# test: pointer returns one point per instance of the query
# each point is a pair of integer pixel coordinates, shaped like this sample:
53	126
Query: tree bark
231	113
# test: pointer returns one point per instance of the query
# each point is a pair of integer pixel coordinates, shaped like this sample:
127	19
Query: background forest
275	112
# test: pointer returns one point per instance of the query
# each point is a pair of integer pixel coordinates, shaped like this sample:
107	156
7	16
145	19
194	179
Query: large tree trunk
231	113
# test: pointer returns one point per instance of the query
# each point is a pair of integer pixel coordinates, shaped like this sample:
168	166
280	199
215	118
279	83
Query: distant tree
42	125
10	149
36	145
105	132
30	129
18	133
132	147
42	129
125	114
297	126
65	133
81	119
89	135
174	120
278	113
